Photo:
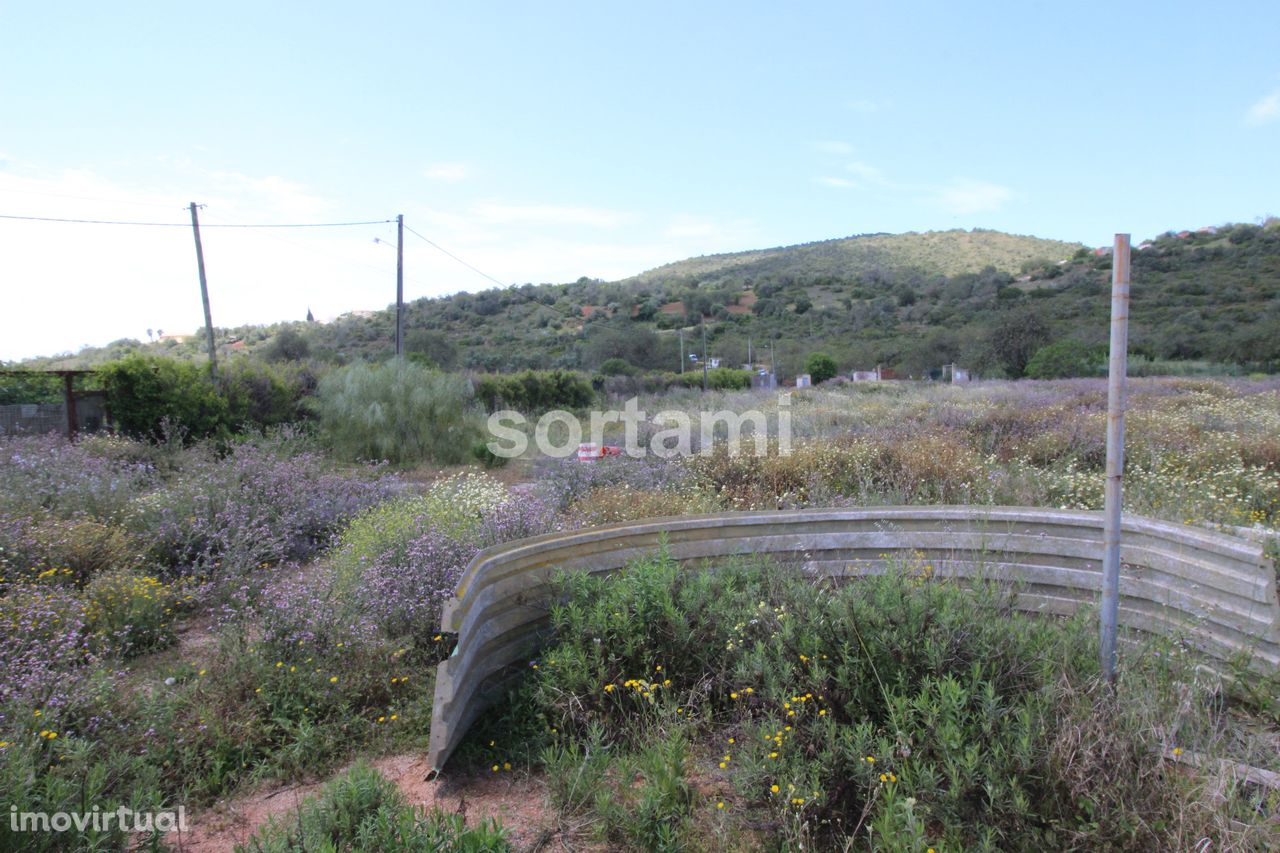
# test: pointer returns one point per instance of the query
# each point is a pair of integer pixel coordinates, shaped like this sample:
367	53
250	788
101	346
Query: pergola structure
68	386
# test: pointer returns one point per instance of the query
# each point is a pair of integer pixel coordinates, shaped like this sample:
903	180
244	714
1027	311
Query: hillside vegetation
939	252
985	300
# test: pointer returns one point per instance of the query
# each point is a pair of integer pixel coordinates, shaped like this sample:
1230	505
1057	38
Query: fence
1216	591
29	418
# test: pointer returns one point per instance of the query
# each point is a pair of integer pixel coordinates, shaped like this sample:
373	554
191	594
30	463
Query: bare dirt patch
517	801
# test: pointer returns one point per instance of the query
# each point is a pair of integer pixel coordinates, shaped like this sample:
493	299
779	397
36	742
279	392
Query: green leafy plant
820	367
362	812
400	412
149	395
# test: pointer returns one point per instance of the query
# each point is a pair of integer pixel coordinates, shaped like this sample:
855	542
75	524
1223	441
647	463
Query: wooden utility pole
704	354
400	286
682	350
749	361
204	294
69	398
1118	366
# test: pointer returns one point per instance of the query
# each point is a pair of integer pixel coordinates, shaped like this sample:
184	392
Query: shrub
617	367
362	810
43	638
610	504
898	705
231	515
262	395
129	614
146	392
718	379
48	474
78	547
400	412
534	391
396	565
820	367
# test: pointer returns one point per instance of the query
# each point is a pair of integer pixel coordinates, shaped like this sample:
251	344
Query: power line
210	225
455	257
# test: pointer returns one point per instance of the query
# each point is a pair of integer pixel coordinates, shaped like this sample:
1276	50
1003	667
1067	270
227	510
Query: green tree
820	367
1064	359
432	347
1015	338
617	367
287	345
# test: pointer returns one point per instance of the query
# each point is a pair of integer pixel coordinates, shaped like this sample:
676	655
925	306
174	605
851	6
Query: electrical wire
455	257
202	225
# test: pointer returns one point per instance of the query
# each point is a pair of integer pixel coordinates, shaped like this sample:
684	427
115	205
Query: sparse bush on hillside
288	345
399	412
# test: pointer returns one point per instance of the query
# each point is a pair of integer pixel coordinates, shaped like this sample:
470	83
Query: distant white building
804	380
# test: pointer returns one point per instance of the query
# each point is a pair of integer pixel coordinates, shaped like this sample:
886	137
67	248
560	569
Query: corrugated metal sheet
1216	591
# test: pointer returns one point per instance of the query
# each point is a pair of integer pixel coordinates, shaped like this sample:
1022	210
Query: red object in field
591	451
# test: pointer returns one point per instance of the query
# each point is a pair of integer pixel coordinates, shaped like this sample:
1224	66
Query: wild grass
362	811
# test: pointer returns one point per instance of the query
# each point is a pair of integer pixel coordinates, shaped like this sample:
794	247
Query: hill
933	252
983	299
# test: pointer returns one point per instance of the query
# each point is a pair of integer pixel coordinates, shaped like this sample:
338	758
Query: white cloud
837	183
963	196
866	172
1265	110
449	172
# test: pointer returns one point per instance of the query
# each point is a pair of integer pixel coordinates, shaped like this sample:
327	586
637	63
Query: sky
544	142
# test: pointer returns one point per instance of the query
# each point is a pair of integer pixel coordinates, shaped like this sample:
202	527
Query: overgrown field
180	623
751	707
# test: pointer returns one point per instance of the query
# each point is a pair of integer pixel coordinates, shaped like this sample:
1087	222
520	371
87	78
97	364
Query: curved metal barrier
1217	592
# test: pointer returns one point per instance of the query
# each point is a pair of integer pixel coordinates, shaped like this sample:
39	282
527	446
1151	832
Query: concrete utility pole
682	350
1115	452
204	293
400	286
